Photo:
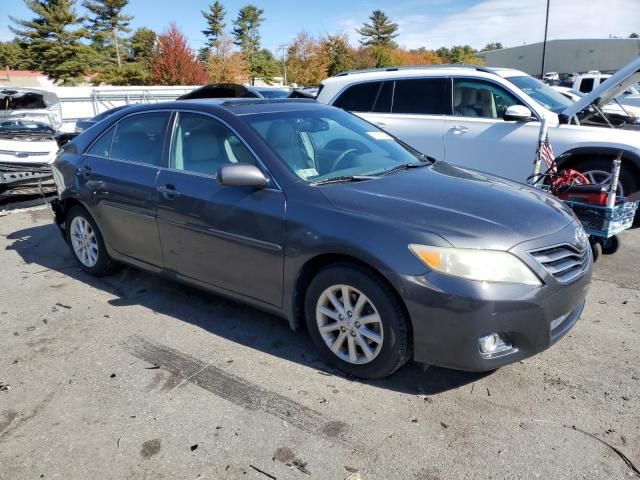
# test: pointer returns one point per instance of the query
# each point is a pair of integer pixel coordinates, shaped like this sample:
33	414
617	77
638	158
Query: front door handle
84	172
169	192
380	124
459	129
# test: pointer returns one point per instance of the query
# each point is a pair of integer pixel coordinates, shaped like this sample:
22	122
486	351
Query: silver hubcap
601	177
84	241
349	324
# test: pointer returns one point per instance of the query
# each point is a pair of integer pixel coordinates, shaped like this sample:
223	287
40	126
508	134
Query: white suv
489	119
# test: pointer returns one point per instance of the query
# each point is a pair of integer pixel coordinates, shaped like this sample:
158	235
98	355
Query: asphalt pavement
132	376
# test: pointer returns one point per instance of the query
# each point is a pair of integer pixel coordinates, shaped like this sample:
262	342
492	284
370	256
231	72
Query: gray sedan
317	216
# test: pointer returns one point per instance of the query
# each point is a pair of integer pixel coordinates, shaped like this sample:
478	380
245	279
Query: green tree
246	34
130	73
105	22
14	55
463	54
265	66
380	32
340	55
54	39
492	46
142	42
215	24
634	35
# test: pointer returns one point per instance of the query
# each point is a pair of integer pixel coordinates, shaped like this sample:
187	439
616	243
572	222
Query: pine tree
14	55
106	22
53	38
380	32
215	25
142	43
246	34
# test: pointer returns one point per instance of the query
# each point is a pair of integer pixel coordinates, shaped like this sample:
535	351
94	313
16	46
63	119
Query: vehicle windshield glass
22	125
273	93
323	144
541	93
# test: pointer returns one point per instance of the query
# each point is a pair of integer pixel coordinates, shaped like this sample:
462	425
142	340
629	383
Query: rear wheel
357	322
598	171
86	243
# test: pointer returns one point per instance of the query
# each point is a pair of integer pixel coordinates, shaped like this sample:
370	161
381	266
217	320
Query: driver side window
473	98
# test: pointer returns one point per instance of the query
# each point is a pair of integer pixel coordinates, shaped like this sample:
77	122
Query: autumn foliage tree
226	65
174	63
307	61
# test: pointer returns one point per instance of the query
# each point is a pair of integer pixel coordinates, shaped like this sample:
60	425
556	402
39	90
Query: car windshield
326	144
273	92
24	126
541	93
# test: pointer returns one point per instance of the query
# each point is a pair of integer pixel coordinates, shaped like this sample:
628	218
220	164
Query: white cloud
514	22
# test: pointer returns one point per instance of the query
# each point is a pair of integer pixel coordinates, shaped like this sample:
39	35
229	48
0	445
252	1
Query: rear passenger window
358	98
427	96
385	97
140	138
102	146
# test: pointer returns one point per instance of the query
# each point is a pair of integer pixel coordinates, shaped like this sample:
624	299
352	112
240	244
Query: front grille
564	262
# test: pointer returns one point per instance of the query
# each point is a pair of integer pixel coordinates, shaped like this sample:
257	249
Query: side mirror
242	175
62	138
517	113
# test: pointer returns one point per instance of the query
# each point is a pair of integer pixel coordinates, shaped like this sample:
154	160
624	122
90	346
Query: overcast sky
428	23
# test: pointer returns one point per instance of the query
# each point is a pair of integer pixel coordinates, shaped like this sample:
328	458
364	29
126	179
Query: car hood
609	89
467	208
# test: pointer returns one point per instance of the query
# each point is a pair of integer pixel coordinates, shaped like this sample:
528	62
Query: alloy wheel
349	324
602	177
84	241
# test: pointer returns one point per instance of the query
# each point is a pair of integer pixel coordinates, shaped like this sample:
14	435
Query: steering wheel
341	158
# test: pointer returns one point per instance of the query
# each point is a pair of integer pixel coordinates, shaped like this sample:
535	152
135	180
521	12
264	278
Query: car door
412	109
478	137
119	172
225	236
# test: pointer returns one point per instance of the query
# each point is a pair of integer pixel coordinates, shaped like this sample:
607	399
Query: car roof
357	76
236	106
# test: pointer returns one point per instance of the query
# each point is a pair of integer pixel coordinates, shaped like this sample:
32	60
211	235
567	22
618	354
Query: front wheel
86	243
357	322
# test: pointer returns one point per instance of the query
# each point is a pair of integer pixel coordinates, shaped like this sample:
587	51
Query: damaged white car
29	120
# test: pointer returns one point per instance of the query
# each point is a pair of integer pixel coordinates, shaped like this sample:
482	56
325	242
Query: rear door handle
459	129
169	192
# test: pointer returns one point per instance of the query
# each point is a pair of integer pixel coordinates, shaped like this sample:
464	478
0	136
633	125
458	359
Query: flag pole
537	163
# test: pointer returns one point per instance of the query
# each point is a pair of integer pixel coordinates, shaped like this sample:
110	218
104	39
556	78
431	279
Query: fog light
494	343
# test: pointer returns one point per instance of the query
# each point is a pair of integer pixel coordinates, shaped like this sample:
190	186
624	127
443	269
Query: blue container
601	221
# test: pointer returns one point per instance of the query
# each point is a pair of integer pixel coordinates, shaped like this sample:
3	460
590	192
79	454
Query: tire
388	340
102	264
627	180
610	245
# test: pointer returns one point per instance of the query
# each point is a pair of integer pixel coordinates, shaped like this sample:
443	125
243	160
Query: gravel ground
132	376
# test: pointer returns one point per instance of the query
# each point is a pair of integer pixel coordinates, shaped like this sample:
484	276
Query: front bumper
450	314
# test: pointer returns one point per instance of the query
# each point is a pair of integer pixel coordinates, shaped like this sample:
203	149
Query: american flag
545	152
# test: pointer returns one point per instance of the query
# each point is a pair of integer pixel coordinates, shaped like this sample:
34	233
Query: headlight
481	265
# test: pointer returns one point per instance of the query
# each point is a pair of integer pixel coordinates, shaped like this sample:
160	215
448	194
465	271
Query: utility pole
284	48
544	43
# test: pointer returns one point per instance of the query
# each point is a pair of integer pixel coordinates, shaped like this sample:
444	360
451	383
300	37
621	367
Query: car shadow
42	245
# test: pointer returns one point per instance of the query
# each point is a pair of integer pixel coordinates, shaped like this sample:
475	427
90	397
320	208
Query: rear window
359	97
586	85
427	96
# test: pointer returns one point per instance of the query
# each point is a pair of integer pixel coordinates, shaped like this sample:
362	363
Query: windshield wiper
405	166
344	179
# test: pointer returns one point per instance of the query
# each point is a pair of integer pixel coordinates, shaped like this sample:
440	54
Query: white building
567	56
